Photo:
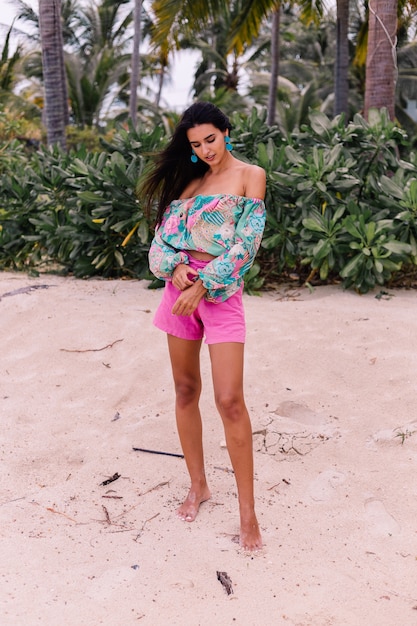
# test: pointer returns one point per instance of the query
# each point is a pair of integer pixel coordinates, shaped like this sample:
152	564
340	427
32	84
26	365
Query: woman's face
207	141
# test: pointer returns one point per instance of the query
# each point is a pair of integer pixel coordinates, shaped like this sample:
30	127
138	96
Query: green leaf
397	247
79	167
119	258
91	197
352	267
320	123
143	231
293	156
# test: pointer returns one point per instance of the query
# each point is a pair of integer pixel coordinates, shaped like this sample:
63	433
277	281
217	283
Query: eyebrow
205	138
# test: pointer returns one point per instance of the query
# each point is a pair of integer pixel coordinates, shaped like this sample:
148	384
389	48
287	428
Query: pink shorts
218	322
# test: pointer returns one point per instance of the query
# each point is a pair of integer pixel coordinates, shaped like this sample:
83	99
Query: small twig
143	526
110	480
224	578
14	500
224	469
48	508
180	456
109	345
142	494
106	513
16	292
273	487
166	482
113	497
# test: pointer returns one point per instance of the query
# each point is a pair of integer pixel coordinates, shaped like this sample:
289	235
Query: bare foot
250	535
188	510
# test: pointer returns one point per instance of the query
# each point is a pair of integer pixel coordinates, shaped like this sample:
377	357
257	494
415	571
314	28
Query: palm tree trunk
381	60
161	79
273	83
341	84
56	104
135	70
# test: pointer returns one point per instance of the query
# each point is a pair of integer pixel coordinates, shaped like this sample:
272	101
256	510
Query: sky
176	94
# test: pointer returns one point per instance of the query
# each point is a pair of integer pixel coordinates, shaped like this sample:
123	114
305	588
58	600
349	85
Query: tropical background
323	96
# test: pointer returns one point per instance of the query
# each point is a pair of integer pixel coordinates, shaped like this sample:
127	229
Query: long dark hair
173	169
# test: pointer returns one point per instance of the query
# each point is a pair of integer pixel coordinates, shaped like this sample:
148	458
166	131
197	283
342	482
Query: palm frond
311	11
248	21
182	16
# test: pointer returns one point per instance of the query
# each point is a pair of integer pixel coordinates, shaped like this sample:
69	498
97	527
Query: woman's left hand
183	276
189	299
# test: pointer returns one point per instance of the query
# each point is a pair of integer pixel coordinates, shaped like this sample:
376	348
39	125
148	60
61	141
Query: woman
209	225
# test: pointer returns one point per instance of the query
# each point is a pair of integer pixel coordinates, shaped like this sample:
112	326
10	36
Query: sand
331	387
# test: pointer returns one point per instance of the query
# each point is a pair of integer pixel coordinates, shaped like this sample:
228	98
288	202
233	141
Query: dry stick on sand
166	482
115	476
109	345
224	578
106	513
179	456
143	526
48	508
16	292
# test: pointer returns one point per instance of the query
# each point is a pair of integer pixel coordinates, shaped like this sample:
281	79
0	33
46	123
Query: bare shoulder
254	181
192	188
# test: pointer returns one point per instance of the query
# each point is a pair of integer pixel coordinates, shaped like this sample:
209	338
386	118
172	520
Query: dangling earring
194	157
228	143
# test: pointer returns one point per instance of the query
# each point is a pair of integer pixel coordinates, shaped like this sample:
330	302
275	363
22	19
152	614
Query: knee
187	392
231	406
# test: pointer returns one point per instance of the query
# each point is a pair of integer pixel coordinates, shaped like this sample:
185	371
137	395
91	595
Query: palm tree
135	67
273	83
176	18
306	61
8	65
93	83
381	63
220	67
341	83
53	71
405	22
97	37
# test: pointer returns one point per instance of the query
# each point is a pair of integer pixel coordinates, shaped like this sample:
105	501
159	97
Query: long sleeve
163	258
224	275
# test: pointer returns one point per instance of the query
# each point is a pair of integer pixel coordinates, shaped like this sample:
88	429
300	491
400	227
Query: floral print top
227	226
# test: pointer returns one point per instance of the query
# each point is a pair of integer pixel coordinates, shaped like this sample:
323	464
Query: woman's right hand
180	276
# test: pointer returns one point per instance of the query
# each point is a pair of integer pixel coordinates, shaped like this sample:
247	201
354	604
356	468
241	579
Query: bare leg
227	370
185	362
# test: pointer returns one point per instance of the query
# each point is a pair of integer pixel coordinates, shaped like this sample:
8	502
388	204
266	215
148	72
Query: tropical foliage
342	188
333	211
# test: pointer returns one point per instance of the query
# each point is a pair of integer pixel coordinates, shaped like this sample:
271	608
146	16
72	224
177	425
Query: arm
163	258
189	299
168	264
222	276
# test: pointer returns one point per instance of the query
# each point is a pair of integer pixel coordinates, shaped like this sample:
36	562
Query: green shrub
341	201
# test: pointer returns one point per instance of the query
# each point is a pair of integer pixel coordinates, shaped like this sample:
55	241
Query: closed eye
209	139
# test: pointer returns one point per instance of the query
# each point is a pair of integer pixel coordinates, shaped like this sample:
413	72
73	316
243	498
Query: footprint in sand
379	519
110	582
298	412
323	487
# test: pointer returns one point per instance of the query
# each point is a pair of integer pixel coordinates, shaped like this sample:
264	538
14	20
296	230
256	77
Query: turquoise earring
228	143
194	157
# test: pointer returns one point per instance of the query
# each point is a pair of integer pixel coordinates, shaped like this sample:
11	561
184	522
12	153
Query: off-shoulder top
226	226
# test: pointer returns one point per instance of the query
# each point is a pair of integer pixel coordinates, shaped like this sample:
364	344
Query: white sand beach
331	387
